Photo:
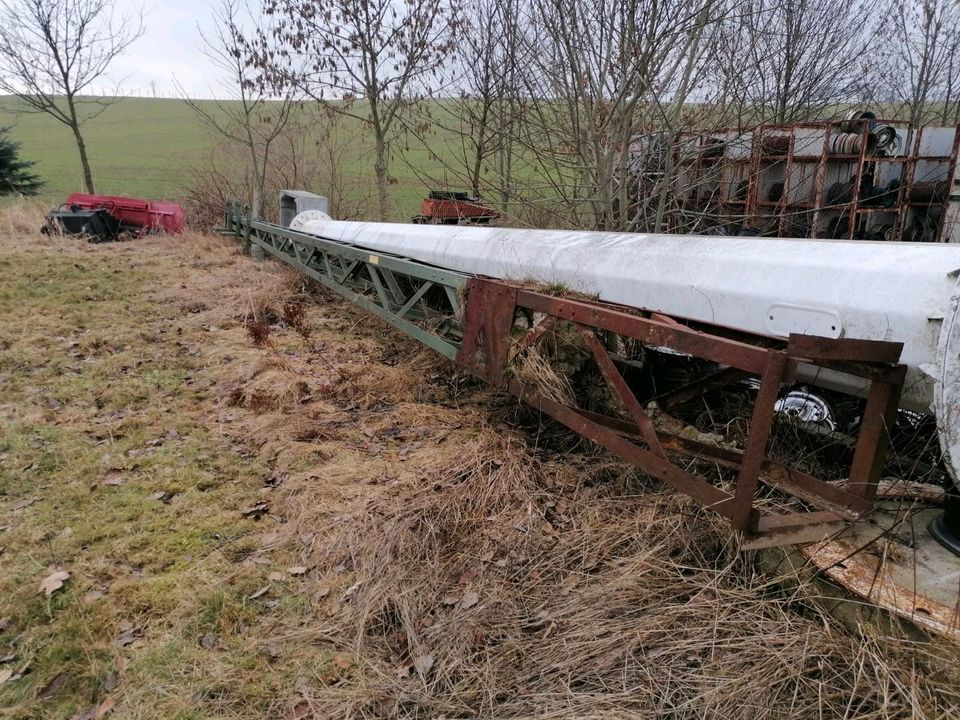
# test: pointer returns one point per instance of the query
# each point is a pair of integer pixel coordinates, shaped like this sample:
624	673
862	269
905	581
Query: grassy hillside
146	147
137	147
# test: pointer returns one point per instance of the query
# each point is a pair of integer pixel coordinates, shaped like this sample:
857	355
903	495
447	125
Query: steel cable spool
928	192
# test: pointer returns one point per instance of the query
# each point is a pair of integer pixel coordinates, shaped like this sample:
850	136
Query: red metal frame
489	346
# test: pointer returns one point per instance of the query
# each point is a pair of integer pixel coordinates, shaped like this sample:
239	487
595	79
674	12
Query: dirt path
269	505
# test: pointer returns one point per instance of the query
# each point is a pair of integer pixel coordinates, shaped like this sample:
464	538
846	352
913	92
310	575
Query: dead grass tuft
23	216
273	385
533	368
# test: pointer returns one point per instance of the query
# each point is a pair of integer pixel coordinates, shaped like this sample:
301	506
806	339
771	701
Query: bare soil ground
271	505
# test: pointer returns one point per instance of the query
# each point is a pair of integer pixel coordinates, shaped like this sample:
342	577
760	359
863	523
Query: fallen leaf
276	577
269	538
344	662
53	582
51	688
404	669
274	650
351	591
470	598
111	680
423	663
256	511
104	708
297	570
209	641
451	599
5	675
299	710
259	593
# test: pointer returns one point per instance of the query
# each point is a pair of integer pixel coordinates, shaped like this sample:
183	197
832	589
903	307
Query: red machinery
148	215
105	217
455	208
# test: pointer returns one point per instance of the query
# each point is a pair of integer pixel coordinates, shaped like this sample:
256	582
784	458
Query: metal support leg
756	445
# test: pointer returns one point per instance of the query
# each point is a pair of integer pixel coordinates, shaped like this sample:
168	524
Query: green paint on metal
344	269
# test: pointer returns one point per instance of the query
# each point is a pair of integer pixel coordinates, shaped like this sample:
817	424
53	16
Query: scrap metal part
891	562
102	218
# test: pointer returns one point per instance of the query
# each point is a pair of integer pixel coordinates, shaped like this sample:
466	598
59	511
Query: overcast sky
169	48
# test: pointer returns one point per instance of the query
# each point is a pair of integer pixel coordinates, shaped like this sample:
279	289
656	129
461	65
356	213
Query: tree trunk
81	146
84	161
381	167
259	182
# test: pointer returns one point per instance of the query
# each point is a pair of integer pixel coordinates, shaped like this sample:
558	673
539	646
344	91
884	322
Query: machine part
307	216
855	119
888	141
775	145
455	208
840	193
472	320
927	192
96	225
776	192
806	408
295	202
891	562
945	527
852	143
135	215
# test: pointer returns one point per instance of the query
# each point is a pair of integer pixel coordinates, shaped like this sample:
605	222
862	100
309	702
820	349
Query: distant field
145	147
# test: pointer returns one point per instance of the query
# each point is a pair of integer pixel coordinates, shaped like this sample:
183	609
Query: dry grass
448	563
23	216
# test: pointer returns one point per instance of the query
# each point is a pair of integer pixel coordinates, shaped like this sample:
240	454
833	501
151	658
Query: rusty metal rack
473	321
778	179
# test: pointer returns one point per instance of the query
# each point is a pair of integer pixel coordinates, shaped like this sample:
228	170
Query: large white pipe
906	292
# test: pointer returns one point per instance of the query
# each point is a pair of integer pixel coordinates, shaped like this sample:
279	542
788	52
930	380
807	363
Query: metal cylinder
894	291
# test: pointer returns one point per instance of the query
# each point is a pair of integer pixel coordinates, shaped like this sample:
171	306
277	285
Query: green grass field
147	147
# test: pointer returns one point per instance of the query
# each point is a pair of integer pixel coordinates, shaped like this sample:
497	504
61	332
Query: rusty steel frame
488	326
756	163
472	322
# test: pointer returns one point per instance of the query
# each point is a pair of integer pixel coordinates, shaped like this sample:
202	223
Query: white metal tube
905	292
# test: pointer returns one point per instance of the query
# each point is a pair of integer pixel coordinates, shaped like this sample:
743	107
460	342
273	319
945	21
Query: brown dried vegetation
432	550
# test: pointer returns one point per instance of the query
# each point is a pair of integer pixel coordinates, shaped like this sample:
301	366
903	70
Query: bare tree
469	134
249	115
790	60
597	68
370	58
52	54
923	64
